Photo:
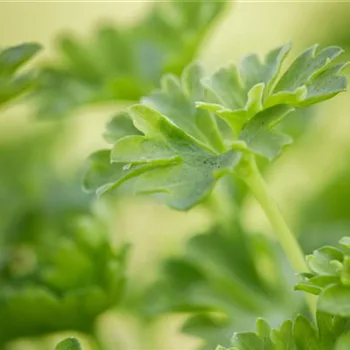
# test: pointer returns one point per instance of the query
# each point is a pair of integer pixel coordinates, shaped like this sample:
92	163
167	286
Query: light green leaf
335	299
102	176
343	342
259	135
121	125
184	170
176	100
238	94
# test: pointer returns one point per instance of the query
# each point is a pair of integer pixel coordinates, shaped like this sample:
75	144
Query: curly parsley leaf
330	332
329	278
168	144
123	64
12	83
255	95
222	286
176	148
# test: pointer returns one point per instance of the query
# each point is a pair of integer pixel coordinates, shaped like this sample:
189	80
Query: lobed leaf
241	94
176	149
329	278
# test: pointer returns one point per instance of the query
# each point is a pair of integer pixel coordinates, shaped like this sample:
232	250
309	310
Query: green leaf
259	135
179	139
223	281
335	299
123	64
329	332
102	176
11	59
329	278
121	125
165	161
343	342
58	270
245	95
176	99
69	344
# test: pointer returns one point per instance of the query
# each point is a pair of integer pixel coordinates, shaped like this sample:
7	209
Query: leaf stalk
249	172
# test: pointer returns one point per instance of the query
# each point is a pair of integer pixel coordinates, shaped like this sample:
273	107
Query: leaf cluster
123	64
329	278
58	270
198	127
331	332
222	281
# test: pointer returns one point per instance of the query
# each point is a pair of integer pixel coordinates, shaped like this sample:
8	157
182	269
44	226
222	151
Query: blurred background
129	273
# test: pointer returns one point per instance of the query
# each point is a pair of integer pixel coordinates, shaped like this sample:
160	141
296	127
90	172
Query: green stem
250	173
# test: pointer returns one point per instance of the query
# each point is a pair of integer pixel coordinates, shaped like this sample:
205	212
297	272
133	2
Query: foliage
181	138
329	278
185	133
120	64
58	270
331	332
222	281
12	83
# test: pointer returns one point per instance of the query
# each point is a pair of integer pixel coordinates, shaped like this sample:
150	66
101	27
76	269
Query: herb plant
195	129
188	139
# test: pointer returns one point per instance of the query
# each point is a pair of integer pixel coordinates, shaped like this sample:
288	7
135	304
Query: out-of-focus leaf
223	282
12	83
324	218
58	271
120	64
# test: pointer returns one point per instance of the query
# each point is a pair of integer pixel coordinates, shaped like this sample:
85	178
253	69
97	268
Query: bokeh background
42	205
